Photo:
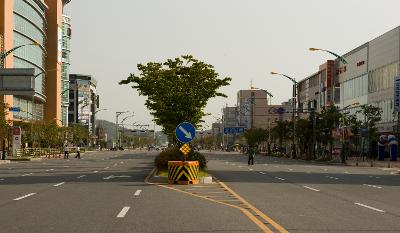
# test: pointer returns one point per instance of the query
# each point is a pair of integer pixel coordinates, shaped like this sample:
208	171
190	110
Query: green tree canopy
256	136
177	90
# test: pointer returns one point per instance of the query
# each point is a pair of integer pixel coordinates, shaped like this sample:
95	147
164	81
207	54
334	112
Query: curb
5	161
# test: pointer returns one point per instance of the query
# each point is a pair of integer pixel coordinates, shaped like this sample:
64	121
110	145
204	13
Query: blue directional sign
185	132
233	130
15	109
397	93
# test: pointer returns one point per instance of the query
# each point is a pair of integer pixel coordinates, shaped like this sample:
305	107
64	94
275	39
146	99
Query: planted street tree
256	136
177	90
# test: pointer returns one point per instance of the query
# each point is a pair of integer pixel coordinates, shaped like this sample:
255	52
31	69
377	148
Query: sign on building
19	81
397	93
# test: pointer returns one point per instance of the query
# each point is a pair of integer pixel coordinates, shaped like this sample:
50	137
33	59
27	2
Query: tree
327	120
177	90
304	136
282	131
255	136
372	115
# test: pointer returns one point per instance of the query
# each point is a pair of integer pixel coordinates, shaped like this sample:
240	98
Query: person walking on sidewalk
66	152
78	152
252	153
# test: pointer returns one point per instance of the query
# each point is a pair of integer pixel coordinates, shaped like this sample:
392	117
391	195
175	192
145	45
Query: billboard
20	81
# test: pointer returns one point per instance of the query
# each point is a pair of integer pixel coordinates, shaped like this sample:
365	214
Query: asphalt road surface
106	192
310	197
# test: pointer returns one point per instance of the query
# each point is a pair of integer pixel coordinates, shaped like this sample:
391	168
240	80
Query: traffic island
186	172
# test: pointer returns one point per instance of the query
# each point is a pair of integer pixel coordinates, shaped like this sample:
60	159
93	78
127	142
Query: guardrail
45	152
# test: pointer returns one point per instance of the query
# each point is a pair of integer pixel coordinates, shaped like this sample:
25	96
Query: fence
44	152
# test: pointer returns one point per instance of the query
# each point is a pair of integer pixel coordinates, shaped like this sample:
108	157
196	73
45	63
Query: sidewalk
373	163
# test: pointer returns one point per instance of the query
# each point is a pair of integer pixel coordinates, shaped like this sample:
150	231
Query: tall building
36	26
66	38
256	111
367	78
83	101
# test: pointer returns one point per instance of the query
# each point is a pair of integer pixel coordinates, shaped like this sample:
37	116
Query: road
309	197
103	192
106	192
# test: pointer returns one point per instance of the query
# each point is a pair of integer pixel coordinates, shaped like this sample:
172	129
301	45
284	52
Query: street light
334	54
343	157
4	55
117	114
293	108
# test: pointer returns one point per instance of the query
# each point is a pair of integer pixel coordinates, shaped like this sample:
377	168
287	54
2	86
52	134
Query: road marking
137	193
373	186
112	176
331	177
80	176
290	169
279	178
59	184
106	167
250	169
369	207
95	171
347	172
276	166
115	164
262	173
25	196
1	179
66	166
27	174
123	212
313	189
376	177
121	162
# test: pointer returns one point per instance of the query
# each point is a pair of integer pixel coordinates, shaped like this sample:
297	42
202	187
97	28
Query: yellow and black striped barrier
183	172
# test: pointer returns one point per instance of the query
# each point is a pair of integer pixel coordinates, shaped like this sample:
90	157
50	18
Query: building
366	78
256	111
66	38
35	25
83	101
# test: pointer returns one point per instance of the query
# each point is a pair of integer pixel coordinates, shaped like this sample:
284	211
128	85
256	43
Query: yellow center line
257	211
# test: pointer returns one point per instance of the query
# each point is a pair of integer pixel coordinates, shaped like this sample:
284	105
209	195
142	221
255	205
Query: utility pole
117	114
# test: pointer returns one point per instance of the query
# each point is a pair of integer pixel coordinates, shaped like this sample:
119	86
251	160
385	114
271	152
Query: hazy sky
243	39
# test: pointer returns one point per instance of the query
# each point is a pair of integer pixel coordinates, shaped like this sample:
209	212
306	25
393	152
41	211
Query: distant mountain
109	128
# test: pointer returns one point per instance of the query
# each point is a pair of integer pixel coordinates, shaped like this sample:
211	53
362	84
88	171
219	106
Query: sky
242	39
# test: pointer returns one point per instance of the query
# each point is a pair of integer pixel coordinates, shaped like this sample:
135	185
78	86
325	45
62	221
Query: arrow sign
185	132
188	135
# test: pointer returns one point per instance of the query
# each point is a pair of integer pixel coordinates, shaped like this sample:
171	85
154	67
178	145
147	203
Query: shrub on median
173	154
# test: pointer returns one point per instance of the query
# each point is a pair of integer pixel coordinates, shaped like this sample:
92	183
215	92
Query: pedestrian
78	152
252	153
65	151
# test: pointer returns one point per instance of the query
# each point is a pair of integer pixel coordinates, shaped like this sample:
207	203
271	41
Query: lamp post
293	108
343	157
334	54
5	54
123	128
117	114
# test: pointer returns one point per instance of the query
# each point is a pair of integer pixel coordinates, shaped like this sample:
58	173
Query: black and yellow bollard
183	172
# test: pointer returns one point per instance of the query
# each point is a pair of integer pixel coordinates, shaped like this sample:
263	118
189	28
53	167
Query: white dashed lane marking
313	189
279	178
25	196
59	184
123	212
372	186
27	174
137	193
80	176
369	207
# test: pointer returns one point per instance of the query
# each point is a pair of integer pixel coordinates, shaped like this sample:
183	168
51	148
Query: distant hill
109	128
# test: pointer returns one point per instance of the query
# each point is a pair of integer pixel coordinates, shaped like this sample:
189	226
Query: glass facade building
66	38
29	27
